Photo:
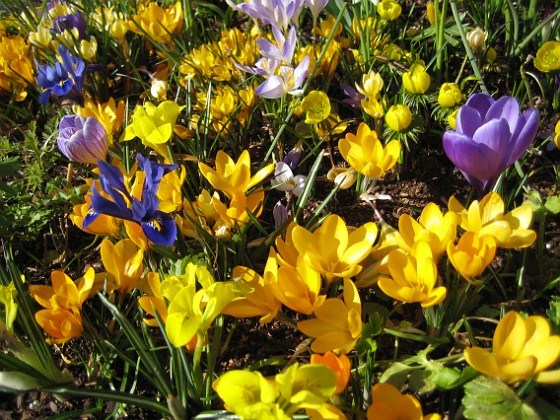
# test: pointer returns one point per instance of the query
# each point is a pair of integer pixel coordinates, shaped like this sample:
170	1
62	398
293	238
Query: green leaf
11	381
552	204
447	378
487	398
553	313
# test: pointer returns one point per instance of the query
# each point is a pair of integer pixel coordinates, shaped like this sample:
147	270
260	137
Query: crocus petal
468	120
524	134
272	88
482	360
519	369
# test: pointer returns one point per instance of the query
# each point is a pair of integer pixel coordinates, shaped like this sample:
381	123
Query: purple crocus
63	77
289	81
159	227
490	135
82	139
68	22
284	47
278	13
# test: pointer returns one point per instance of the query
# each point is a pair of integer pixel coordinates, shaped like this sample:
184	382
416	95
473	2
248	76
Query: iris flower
490	135
65	76
159	227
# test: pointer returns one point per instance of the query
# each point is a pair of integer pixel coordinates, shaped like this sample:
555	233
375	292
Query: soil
430	177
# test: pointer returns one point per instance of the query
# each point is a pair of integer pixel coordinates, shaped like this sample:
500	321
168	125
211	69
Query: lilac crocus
159	227
284	47
285	180
490	135
66	76
289	81
82	139
278	13
353	97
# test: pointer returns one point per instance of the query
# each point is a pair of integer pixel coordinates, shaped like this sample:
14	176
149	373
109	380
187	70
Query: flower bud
477	40
398	117
81	139
491	55
389	9
449	95
343	177
416	80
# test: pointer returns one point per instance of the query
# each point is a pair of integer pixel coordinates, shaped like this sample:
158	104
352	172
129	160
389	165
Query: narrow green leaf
11	381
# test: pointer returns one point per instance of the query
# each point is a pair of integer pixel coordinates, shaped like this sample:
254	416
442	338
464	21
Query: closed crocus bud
450	95
416	80
343	177
389	9
81	139
398	117
477	40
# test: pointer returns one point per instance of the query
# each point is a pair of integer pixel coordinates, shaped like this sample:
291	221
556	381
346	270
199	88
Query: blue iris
61	79
159	227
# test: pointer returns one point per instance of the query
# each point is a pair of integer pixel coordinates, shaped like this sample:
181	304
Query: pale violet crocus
490	135
278	13
285	180
316	6
81	139
289	81
282	49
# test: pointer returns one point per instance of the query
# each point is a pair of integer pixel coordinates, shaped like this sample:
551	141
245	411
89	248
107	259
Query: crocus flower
289	81
159	227
337	325
341	366
64	77
366	154
522	347
82	140
7	300
388	403
353	97
472	254
285	180
284	47
231	177
123	262
278	13
334	250
413	277
69	22
294	156
157	22
488	217
490	135
316	6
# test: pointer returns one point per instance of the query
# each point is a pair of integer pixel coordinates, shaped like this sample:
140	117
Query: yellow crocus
7	299
365	153
123	262
337	325
232	177
237	214
372	83
60	323
521	348
154	125
153	301
334	250
339	364
413	276
299	288
472	254
389	9
388	403
258	297
432	226
486	217
156	22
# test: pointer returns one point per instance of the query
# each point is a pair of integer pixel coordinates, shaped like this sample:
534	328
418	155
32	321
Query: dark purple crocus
69	22
64	77
159	227
82	139
490	135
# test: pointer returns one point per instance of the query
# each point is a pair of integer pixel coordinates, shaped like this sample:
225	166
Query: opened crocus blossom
82	140
522	347
490	135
